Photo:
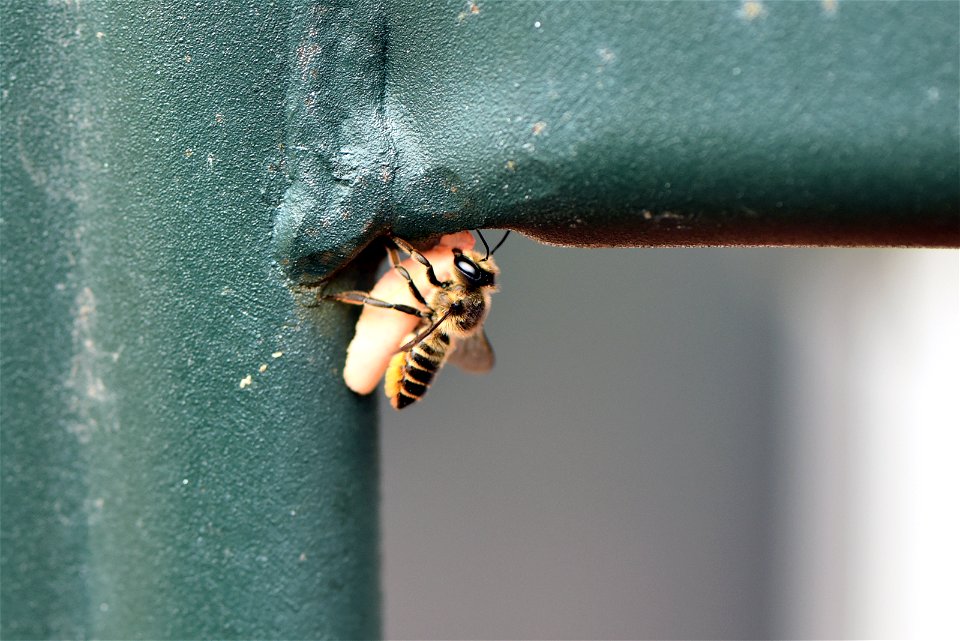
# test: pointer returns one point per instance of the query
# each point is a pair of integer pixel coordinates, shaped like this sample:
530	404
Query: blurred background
687	443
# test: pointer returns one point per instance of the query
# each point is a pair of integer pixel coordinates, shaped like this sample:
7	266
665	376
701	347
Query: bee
449	320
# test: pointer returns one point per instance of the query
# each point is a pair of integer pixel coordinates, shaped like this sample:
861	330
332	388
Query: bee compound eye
467	267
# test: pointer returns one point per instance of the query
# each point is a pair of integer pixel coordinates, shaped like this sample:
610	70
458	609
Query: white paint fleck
751	10
606	55
91	402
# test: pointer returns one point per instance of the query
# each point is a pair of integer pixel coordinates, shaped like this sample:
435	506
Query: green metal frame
179	455
625	123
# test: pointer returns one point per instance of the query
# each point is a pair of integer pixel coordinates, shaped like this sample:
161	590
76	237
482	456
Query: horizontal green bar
626	123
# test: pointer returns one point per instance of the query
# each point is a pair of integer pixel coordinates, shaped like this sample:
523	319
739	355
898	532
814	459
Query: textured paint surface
180	456
627	123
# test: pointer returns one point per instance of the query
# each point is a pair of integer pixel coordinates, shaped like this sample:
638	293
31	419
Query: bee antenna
484	241
507	233
490	252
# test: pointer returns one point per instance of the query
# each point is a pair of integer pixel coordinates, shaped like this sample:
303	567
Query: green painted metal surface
629	123
167	167
148	490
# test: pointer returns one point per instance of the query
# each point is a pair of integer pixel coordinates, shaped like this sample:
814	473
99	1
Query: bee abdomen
410	373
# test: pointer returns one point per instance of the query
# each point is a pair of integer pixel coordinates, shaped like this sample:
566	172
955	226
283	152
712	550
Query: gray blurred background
685	443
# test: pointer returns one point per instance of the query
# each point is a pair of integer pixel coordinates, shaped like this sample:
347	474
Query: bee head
472	271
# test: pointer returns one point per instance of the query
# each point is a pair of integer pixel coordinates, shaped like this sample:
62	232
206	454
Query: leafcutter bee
449	320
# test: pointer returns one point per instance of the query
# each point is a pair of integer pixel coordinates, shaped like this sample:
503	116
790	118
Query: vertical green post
180	458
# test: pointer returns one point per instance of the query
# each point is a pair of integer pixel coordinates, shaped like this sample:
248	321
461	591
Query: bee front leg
362	298
420	258
395	263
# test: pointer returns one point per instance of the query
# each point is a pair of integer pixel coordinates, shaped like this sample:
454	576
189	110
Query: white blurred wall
869	525
686	444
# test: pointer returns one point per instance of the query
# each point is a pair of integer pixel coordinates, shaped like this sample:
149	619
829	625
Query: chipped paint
751	10
92	403
472	8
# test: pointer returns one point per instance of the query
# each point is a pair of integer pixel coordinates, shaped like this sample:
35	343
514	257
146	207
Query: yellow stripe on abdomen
410	373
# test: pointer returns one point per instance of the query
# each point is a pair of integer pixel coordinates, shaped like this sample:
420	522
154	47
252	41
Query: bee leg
407	247
426	332
361	298
395	263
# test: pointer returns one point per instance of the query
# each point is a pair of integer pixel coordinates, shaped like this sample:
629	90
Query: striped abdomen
410	373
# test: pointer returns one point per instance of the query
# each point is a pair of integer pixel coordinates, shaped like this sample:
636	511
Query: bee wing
473	353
